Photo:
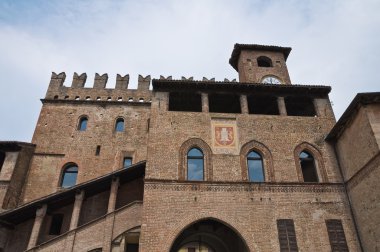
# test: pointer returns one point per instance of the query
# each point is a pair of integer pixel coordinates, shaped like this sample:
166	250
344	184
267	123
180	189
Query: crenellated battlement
77	91
99	92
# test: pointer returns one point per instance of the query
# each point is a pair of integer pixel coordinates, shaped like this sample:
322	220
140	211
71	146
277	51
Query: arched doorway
208	236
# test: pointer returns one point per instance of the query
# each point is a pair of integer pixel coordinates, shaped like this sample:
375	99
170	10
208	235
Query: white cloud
334	42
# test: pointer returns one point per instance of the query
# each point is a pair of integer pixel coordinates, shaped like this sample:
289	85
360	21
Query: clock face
271	80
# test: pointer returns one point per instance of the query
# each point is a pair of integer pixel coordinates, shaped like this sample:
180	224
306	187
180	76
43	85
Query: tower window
264	61
309	172
185	101
69	176
119	126
2	159
255	167
262	105
195	164
224	103
127	162
82	126
56	224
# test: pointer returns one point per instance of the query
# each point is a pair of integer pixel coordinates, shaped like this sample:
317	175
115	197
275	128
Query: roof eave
359	100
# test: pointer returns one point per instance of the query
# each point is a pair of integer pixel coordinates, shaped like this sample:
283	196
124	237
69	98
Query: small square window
127	162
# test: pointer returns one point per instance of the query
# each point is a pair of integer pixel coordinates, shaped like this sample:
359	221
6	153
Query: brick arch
187	222
265	154
207	152
318	161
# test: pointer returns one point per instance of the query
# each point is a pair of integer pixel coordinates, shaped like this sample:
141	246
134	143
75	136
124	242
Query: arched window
195	164
119	126
308	168
255	167
263	61
69	176
82	126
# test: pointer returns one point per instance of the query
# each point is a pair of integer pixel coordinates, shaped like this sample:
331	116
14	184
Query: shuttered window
287	236
336	236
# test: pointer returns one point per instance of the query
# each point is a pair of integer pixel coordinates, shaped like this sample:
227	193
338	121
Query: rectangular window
287	235
56	224
127	162
336	236
97	152
262	105
185	101
224	103
299	106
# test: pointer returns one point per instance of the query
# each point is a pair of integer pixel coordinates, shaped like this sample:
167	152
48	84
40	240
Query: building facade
214	166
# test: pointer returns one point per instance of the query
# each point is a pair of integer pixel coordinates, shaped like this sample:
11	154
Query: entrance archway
209	236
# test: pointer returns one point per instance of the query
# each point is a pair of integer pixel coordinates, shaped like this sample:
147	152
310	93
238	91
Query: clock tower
261	63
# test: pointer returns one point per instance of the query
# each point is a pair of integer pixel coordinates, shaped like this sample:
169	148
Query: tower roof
239	47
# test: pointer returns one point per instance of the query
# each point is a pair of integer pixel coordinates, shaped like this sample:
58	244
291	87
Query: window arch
82	125
309	172
195	165
69	175
255	167
119	125
258	156
184	151
308	160
264	61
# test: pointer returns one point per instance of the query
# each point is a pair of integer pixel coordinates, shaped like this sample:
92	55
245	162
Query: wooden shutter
287	236
336	236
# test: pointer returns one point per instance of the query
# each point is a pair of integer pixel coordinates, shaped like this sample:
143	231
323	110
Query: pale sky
335	42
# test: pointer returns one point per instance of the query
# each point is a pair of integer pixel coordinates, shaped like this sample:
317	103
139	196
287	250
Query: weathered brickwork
154	204
281	135
251	210
59	142
359	154
250	72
